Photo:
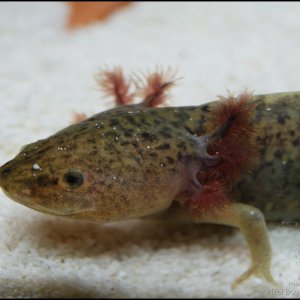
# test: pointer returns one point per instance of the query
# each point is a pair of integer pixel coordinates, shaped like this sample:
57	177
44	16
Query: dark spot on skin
288	165
128	132
124	199
263	141
116	205
170	160
157	121
166	132
114	122
144	122
153	112
183	116
148	136
94	152
189	130
67	156
6	171
281	118
76	135
191	144
179	155
278	134
110	146
278	154
292	132
262	151
296	143
285	100
135	144
44	181
41	151
73	146
138	159
52	169
54	181
176	124
152	154
199	129
205	108
164	146
83	126
125	143
181	145
132	120
110	133
91	140
141	153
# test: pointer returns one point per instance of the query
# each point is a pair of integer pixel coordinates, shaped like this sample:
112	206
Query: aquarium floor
46	76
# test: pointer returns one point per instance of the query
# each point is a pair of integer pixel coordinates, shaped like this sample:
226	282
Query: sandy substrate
46	75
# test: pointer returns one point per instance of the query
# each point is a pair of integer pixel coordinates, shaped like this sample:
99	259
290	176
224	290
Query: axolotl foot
251	222
261	270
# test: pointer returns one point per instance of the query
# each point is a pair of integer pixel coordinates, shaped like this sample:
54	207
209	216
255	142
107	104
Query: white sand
46	75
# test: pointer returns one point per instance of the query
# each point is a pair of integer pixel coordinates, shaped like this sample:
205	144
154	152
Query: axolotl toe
216	163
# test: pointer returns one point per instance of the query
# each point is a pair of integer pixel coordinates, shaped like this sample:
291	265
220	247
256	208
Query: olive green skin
132	162
273	185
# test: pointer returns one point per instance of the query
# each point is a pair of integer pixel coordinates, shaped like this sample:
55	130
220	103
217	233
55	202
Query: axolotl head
56	175
108	167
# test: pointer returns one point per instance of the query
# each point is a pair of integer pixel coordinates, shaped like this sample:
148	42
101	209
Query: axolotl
234	161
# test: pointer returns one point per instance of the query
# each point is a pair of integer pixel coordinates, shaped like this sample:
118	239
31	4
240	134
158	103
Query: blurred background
49	54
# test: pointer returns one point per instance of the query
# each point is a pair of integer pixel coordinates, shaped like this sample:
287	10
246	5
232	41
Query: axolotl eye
73	179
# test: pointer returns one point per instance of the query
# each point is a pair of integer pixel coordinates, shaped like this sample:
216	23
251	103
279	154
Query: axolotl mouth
25	199
25	194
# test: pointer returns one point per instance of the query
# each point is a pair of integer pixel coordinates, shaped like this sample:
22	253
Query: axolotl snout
221	162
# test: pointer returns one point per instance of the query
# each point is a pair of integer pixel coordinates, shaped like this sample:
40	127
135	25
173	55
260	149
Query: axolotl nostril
235	161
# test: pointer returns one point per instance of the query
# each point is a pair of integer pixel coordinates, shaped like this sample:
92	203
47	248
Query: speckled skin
274	185
132	161
131	158
136	161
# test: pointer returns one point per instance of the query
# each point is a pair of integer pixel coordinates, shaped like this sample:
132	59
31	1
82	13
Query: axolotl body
228	162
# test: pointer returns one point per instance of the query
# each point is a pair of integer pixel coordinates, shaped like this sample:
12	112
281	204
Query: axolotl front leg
249	220
220	157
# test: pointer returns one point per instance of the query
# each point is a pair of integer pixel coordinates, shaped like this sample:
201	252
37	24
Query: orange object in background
83	13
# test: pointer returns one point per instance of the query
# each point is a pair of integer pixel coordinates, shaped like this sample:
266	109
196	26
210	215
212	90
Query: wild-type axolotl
235	161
